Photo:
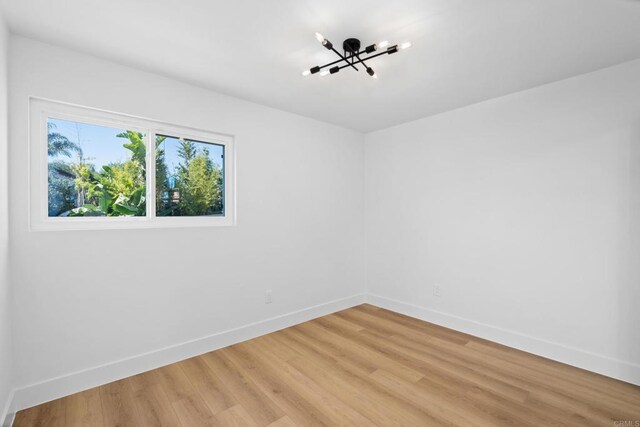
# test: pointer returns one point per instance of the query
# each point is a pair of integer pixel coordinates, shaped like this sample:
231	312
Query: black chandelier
353	56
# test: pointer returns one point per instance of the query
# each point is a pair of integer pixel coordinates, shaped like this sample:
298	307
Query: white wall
526	210
84	299
5	290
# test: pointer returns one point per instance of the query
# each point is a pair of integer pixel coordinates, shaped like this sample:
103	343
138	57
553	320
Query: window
189	177
93	169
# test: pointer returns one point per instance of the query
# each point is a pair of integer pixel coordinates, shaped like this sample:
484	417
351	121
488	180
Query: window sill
120	223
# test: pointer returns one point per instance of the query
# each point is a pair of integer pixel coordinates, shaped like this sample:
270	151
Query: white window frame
40	110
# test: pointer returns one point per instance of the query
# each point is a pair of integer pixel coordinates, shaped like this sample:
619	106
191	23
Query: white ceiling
464	51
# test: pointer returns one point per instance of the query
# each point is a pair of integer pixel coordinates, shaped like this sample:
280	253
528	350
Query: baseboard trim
619	369
8	414
54	388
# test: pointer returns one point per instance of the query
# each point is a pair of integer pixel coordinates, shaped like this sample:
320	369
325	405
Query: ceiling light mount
352	55
351	46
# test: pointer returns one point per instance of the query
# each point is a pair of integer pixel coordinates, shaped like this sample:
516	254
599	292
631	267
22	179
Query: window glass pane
189	177
95	170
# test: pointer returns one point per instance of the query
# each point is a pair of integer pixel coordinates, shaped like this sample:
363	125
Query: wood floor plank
84	409
356	386
328	352
236	416
341	413
445	412
118	404
577	377
500	375
536	381
361	366
261	408
212	390
144	380
154	407
359	353
429	362
393	326
283	422
191	411
281	351
275	385
381	344
501	410
341	323
175	382
376	403
50	414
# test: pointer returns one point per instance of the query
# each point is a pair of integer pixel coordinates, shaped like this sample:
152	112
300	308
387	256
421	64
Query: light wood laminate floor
363	366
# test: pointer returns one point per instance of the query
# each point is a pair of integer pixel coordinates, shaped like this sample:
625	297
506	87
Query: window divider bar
151	175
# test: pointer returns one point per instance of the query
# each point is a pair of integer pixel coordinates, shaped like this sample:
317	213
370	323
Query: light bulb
324	72
375	76
382	44
306	73
405	45
319	37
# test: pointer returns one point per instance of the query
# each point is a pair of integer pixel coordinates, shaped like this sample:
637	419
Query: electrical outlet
437	290
267	297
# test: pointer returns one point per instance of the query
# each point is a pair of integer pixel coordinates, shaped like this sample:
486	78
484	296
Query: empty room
302	213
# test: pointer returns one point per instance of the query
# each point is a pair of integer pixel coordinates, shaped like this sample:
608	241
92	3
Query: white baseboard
622	370
8	414
35	394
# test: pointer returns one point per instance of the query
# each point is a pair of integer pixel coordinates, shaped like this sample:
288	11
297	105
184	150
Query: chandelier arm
367	58
330	64
344	59
360	60
364	52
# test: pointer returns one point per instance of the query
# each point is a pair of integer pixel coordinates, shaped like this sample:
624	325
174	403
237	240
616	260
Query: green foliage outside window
198	184
78	188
